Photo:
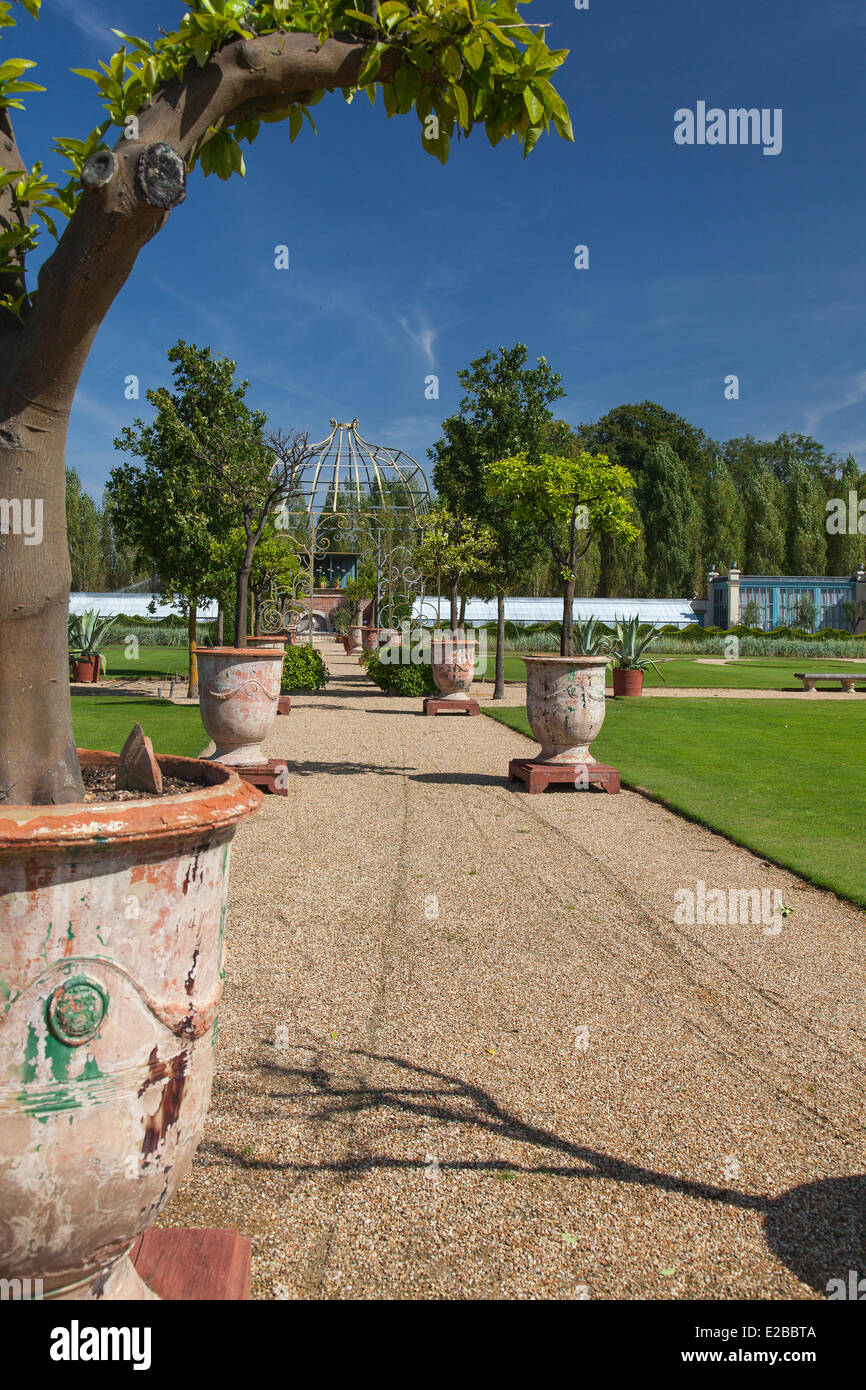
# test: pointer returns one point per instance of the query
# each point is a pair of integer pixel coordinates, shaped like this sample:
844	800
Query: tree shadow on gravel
344	769
817	1229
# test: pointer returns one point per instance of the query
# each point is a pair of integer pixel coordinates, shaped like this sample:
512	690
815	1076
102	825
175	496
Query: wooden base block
433	705
182	1265
284	704
264	775
538	776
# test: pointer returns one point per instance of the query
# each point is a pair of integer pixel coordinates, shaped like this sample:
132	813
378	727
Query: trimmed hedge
412	680
303	669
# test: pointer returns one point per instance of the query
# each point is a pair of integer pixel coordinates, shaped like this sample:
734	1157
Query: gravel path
467	1052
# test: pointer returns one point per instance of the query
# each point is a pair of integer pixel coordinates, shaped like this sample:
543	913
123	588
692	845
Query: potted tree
628	645
570	498
238	473
111	915
358	592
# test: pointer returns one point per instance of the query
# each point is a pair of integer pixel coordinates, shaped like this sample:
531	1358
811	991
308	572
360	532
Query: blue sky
704	261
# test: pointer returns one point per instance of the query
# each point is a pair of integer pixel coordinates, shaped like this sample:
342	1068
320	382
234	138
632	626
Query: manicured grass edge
500	716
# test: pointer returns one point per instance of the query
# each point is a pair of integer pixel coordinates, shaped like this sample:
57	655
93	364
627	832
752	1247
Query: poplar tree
667	508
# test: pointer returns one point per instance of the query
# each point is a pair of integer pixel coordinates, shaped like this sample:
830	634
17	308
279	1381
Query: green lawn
786	779
151	661
749	673
105	721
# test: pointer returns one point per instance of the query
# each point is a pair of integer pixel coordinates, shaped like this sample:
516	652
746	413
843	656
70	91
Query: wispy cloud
423	337
854	393
99	413
86	18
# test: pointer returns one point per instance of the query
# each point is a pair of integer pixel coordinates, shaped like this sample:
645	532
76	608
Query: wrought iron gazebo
352	499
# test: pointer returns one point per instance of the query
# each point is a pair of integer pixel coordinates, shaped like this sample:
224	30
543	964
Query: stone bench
847	679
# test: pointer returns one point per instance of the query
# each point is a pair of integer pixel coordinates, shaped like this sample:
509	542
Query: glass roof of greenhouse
135	606
661	612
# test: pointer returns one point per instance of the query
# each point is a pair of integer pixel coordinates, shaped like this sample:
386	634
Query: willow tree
189	96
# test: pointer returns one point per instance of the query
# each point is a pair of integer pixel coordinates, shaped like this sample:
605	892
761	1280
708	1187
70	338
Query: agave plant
589	638
87	632
630	641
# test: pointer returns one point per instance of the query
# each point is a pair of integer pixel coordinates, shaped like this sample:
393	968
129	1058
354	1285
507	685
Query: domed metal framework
351	499
345	471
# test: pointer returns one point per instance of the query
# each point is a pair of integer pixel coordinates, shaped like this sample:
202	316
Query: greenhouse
770	601
525	612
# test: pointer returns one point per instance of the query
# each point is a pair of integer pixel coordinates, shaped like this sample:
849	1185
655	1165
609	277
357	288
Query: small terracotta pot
85	668
565	705
353	634
453	663
238	692
627	681
111	953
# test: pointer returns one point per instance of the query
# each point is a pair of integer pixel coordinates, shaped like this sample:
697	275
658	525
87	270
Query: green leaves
458	62
11	86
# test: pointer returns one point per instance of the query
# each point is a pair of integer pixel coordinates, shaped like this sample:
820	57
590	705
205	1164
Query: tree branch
115	218
262	73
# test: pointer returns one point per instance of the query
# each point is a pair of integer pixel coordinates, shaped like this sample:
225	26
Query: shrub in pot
303	669
395	678
86	634
628	646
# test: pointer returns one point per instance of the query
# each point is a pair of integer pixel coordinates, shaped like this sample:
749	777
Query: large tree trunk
37	749
566	641
499	682
192	636
462	620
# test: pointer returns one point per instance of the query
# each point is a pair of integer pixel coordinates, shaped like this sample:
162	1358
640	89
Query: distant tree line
699	504
101	562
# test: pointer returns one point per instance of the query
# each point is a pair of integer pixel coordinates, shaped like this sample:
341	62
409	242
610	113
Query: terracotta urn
565	705
369	638
273	640
627	681
354	634
239	688
453	662
111	968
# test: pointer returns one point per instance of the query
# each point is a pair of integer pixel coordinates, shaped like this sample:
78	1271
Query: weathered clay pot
354	635
627	682
238	692
276	641
453	663
111	963
369	638
565	705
